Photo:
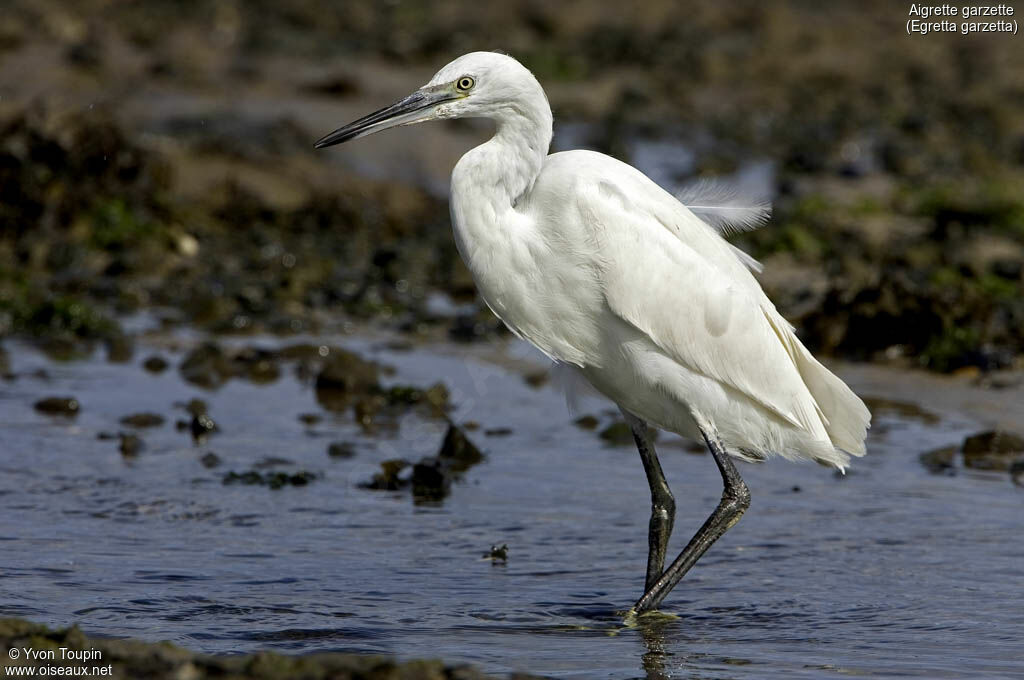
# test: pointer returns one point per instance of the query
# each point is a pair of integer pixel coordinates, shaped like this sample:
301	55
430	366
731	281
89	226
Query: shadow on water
888	570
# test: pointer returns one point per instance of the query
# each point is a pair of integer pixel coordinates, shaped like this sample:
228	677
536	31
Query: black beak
405	112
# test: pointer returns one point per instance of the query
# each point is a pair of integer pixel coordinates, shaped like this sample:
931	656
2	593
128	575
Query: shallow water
888	571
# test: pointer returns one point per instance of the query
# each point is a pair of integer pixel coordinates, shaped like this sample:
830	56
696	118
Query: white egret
607	273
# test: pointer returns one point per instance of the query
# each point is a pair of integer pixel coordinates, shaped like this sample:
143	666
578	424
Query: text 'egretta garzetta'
613	277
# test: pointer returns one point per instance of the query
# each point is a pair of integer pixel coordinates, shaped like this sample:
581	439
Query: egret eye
464	84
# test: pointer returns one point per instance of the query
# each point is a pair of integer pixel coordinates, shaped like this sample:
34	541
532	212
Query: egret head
476	85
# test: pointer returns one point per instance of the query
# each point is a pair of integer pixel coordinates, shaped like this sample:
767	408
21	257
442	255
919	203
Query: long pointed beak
416	108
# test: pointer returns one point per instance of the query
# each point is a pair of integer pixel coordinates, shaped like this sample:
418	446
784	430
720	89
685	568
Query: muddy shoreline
135	659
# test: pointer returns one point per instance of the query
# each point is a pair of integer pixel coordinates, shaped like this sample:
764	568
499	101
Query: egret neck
488	183
496	174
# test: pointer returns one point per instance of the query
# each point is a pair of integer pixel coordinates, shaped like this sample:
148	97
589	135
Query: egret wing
689	293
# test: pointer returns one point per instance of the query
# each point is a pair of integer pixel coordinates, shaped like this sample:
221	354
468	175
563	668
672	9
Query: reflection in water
664	657
652	632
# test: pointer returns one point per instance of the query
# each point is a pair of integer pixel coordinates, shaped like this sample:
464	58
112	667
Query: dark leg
735	500
663	505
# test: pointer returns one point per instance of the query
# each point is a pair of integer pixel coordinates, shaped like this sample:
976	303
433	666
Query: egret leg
663	504
735	501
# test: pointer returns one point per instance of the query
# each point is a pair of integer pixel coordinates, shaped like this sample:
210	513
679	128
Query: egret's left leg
663	504
735	501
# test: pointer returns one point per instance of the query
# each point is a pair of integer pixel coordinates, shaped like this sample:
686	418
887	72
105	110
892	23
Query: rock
470	327
458	450
274	480
143	420
304	352
586	422
346	372
404	394
618	433
85	52
310	418
431	479
210	460
256	365
58	406
537	379
201	427
1017	472
908	410
120	348
278	480
195	407
993	450
434	398
432	476
272	461
250	477
994	441
207	366
496	554
366	409
389	478
939	460
155	364
130	445
211	366
341	450
498	432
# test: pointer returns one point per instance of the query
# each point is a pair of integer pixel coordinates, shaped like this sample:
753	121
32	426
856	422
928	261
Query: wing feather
657	266
679	283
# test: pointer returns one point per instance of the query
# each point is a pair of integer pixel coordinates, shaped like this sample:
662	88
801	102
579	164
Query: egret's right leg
663	504
735	501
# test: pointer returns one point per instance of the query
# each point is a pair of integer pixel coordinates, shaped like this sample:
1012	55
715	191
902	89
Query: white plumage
607	273
722	206
602	269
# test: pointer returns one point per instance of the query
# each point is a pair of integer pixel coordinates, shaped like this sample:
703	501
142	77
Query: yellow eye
464	84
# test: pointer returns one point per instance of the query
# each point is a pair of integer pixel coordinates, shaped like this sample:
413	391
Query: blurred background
229	361
158	154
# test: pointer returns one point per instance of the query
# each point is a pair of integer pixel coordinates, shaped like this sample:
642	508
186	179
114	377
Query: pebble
130	445
210	460
60	406
202	426
155	364
341	450
143	420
